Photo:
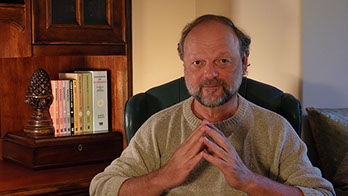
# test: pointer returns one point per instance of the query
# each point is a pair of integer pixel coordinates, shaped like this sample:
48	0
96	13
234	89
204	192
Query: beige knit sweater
266	143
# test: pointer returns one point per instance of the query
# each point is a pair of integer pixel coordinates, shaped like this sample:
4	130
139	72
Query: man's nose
210	71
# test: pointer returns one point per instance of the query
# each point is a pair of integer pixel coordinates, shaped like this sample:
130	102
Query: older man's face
213	67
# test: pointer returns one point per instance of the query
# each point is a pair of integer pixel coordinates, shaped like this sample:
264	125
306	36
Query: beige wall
156	30
274	26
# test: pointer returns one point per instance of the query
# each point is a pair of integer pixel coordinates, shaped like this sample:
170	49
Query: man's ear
245	62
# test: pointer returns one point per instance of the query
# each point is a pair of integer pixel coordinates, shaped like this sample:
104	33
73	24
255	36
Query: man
216	142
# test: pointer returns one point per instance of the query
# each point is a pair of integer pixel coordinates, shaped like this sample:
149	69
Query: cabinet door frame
44	32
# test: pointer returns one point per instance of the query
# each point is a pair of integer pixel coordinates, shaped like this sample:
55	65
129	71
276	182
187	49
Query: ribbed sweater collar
233	121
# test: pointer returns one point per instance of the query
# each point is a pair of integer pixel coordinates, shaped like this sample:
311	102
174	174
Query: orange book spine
54	109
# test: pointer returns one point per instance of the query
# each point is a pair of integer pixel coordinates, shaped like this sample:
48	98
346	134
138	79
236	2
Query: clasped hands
196	147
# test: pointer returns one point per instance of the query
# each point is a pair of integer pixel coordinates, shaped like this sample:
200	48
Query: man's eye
197	62
223	60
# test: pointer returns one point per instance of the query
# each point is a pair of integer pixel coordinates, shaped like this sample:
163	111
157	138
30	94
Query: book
54	107
64	112
60	108
100	101
68	102
78	100
87	102
94	96
73	115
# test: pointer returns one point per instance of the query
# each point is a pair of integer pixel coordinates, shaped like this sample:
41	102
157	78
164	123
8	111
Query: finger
192	163
216	129
192	139
219	138
195	149
215	161
195	135
208	150
217	150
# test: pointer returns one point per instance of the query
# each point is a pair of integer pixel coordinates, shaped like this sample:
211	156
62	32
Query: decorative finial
39	96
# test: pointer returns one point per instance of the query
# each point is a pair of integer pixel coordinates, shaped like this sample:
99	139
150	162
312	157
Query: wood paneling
15	30
15	74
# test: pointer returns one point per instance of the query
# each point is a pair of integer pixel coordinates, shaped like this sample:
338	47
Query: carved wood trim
14	16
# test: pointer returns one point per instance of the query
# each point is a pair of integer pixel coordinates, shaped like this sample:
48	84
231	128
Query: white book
100	101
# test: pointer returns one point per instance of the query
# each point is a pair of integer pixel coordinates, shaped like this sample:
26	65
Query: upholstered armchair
141	106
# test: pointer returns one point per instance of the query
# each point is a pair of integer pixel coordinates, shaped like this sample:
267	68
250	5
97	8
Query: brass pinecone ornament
39	96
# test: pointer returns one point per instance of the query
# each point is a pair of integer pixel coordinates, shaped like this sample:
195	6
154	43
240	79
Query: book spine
60	108
54	107
64	102
80	103
57	110
100	105
87	102
72	113
76	111
51	109
90	103
68	118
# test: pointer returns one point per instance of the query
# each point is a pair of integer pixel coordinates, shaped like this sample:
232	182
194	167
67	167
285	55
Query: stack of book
80	103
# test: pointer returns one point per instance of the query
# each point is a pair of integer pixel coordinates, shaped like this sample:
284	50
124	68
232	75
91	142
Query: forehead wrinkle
201	39
202	49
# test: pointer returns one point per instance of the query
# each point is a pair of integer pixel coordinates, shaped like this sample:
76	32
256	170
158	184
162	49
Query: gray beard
228	91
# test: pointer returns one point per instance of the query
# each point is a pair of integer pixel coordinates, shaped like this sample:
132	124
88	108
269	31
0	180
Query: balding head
244	40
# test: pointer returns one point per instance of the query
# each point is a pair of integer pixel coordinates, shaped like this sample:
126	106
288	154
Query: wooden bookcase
27	47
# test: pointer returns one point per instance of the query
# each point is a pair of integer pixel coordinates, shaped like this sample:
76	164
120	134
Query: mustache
214	81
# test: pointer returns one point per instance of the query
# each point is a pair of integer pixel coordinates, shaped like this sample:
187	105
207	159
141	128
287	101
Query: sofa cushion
341	176
330	133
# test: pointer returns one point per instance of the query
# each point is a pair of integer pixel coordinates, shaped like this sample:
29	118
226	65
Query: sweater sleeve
295	169
139	158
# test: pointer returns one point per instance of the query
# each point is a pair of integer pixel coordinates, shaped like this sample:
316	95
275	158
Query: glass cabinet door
79	21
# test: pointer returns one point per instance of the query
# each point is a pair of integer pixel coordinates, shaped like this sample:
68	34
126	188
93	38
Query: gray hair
244	40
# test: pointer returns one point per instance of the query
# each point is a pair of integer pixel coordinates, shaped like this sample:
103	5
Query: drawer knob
80	147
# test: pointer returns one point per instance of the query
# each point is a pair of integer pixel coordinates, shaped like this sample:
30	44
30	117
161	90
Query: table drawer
64	151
